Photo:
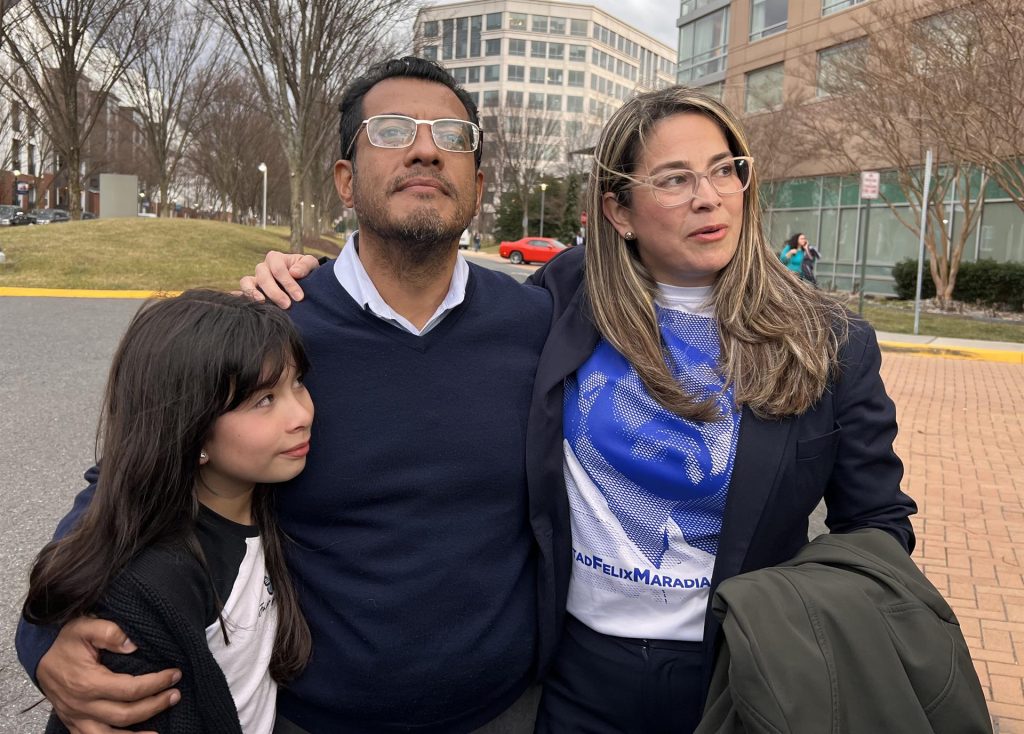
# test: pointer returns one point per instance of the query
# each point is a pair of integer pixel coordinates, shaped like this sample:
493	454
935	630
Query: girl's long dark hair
182	363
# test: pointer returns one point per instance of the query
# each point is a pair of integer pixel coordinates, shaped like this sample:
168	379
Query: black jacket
839	450
156	601
848	637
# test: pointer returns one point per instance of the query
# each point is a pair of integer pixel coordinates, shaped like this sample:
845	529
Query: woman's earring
203	457
629	237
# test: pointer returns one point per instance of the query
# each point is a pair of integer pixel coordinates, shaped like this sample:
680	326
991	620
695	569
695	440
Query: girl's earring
629	237
203	457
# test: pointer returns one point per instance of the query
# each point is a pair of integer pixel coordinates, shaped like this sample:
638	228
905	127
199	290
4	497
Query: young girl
204	405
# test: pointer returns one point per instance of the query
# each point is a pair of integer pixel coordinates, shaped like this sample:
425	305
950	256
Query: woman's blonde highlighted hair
779	337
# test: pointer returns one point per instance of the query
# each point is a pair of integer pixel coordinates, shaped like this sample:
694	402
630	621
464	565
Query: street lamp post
263	170
14	191
543	188
302	218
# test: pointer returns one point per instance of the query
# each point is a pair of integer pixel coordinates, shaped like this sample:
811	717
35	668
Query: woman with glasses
710	401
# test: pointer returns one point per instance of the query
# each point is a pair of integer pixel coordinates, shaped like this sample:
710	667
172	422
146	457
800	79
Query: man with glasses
424	562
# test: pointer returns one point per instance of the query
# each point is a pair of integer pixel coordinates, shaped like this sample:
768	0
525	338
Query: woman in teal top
793	252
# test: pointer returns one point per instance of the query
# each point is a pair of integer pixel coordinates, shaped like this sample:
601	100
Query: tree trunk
298	215
524	196
940	276
164	186
75	183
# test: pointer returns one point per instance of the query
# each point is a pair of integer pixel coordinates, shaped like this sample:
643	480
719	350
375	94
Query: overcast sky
654	17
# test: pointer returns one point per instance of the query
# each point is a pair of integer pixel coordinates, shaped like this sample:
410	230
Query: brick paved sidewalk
962	441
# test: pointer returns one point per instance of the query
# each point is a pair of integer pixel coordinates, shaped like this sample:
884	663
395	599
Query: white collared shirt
352	276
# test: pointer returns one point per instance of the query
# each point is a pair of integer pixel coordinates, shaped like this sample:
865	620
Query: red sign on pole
583	218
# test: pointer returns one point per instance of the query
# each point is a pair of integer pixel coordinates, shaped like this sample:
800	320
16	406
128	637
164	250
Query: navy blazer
839	450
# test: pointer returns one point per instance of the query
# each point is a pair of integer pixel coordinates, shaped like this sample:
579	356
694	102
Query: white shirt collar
352	276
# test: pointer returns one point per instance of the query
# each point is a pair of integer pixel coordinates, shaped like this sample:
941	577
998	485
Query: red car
530	250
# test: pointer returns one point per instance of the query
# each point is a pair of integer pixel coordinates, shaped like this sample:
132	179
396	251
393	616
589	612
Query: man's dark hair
407	67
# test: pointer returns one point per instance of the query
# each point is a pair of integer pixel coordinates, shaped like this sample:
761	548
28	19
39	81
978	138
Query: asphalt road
495	262
54	356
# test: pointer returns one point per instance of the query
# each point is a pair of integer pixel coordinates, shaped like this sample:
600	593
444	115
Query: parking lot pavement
962	441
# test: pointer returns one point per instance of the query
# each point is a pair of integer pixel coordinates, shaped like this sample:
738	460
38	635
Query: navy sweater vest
412	548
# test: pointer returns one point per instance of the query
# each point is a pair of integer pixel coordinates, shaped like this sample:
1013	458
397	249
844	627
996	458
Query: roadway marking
83	293
971	353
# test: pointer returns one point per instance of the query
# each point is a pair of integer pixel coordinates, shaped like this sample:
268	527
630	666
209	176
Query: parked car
530	249
89	215
51	216
464	240
13	216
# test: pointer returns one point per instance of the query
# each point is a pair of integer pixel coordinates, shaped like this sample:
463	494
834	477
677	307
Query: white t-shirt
250	615
647	489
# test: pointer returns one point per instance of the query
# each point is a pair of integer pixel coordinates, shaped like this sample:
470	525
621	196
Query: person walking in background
793	253
476	242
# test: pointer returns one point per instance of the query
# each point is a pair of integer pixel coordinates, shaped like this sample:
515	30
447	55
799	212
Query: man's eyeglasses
399	131
677	186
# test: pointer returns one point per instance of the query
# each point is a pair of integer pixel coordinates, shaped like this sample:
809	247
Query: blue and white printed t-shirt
647	488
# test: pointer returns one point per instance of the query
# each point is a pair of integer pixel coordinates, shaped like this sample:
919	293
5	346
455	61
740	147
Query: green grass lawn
136	254
898	317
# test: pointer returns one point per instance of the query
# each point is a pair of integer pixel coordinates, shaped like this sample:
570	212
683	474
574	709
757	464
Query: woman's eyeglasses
399	131
677	186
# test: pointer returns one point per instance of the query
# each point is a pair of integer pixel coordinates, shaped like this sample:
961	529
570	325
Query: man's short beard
416	242
421	241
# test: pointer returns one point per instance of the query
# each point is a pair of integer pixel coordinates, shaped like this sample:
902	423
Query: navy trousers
600	684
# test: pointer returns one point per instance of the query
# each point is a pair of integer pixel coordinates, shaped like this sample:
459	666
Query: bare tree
7	132
522	145
172	80
769	135
976	51
67	56
234	134
300	54
877	109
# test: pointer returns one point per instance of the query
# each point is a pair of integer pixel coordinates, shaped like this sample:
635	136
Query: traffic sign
869	183
23	187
